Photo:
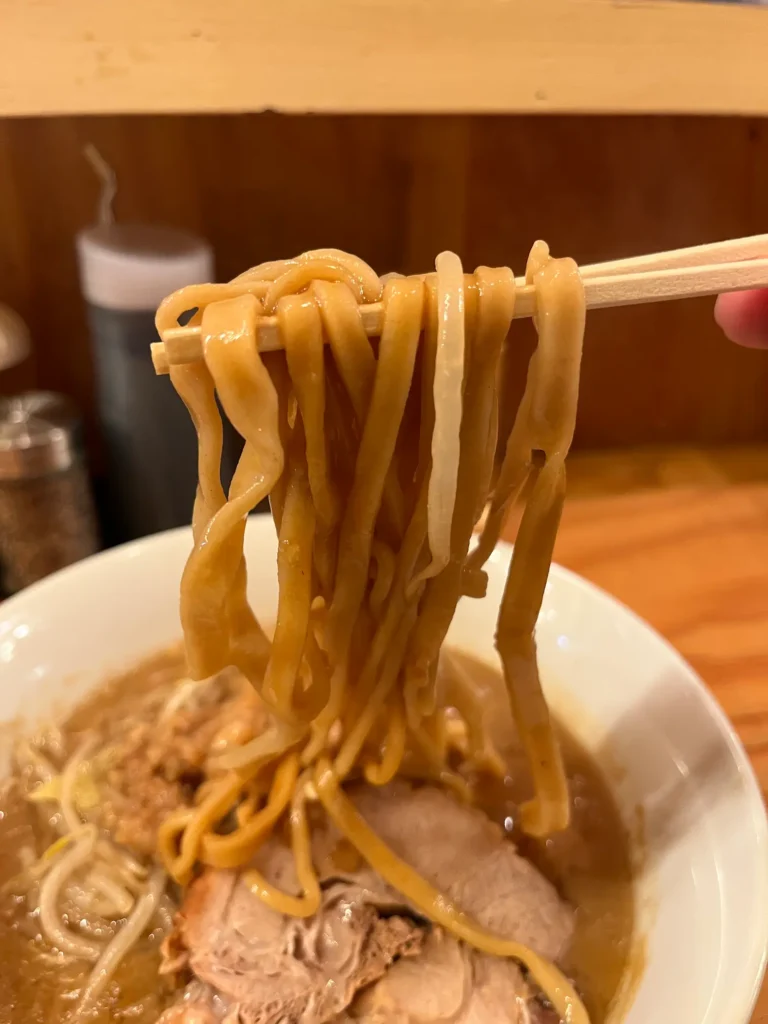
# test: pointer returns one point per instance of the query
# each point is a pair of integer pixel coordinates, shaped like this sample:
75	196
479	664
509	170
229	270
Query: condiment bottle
125	272
47	518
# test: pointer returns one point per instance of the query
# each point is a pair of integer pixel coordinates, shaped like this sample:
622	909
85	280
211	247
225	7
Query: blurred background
609	130
395	190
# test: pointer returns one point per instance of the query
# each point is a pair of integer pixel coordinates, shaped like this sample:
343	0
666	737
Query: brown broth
33	985
590	864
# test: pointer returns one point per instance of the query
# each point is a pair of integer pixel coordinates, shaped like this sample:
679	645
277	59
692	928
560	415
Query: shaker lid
39	433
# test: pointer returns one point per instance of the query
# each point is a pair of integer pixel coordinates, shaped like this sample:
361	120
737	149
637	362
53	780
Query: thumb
743	316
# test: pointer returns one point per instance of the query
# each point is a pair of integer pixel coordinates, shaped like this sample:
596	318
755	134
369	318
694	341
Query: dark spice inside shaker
47	519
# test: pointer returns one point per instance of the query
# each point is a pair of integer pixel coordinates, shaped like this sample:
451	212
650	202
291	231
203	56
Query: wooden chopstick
734	250
734	265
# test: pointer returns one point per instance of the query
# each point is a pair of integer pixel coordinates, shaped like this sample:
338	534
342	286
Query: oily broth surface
35	986
590	864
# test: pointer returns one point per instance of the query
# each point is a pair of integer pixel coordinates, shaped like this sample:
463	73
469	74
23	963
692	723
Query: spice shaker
14	338
47	518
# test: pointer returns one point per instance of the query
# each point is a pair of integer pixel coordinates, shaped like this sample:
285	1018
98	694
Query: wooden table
682	538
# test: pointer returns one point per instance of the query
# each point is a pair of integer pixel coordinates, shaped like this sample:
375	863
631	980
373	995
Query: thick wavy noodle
378	458
447	390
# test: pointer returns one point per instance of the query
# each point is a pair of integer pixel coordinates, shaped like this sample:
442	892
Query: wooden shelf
124	56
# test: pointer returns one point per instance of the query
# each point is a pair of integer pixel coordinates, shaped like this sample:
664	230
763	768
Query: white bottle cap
134	267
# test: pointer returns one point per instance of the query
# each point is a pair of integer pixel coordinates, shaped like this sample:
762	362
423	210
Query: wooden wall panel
396	190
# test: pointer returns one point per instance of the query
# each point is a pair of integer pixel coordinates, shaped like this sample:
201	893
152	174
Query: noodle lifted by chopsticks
378	459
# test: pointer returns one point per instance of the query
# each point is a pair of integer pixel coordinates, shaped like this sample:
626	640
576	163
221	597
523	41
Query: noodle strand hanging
378	457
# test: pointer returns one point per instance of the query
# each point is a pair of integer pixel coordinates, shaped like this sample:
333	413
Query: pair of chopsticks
735	265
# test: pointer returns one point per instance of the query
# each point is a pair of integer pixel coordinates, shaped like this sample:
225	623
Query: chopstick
734	265
734	250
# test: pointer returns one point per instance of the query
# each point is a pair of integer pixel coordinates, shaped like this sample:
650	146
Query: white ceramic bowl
627	695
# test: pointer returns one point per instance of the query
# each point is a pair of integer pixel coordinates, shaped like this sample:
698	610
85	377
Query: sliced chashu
198	1004
468	858
443	984
449	984
272	968
266	968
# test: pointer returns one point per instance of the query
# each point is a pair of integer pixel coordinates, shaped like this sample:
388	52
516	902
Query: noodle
212	571
296	279
448	387
283	903
294	574
214	807
384	560
403	300
370	284
552	416
299	319
168	835
390	671
356	364
496	302
378	459
239	846
397	352
460	693
379	774
278	739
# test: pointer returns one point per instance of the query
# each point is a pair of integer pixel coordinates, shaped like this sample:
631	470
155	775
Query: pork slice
447	984
432	986
197	1004
271	969
464	855
498	994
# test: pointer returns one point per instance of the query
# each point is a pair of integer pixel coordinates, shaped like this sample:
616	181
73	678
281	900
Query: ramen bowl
677	771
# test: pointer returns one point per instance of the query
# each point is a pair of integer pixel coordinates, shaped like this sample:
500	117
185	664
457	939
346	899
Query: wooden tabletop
682	538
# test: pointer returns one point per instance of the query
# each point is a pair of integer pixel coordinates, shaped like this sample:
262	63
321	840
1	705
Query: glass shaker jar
47	517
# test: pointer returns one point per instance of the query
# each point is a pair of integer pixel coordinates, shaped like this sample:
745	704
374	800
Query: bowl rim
757	955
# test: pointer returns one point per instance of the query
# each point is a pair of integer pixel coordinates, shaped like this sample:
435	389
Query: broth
35	984
590	865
